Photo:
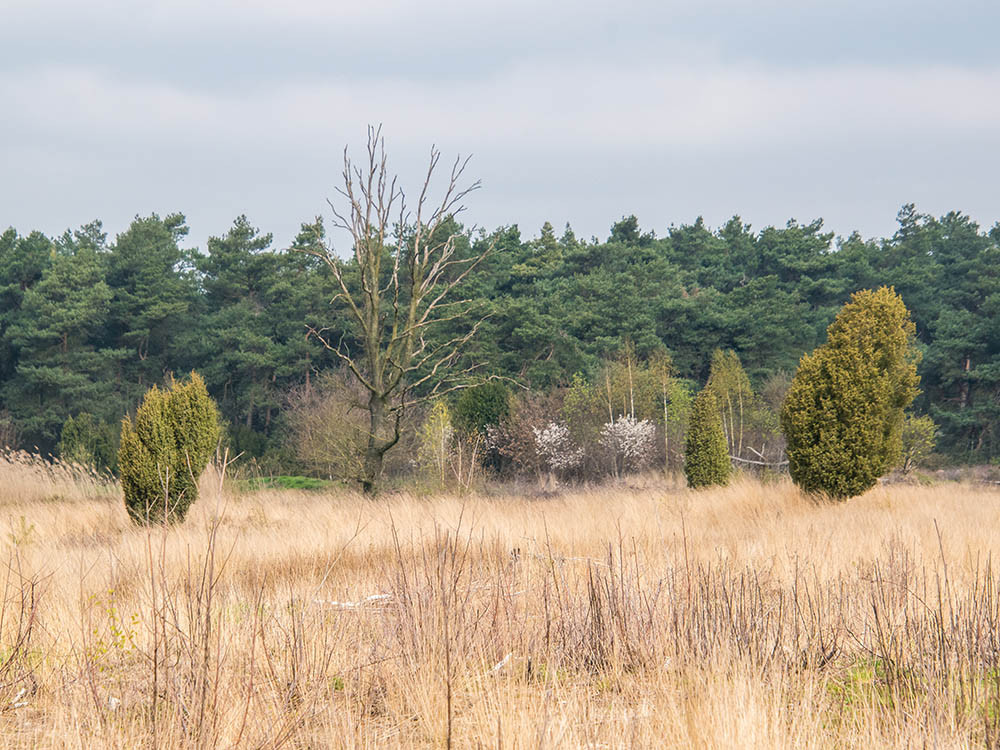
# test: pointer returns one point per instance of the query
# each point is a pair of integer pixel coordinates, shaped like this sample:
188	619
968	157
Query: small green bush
165	450
85	440
706	458
481	406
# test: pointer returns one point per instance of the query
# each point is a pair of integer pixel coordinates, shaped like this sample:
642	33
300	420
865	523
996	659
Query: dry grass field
640	616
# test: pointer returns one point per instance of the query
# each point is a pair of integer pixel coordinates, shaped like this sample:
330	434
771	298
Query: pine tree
238	347
706	460
152	296
62	370
22	263
166	449
843	415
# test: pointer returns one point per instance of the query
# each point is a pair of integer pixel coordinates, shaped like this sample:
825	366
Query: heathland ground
638	615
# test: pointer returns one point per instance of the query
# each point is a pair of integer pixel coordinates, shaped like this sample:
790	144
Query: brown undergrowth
647	616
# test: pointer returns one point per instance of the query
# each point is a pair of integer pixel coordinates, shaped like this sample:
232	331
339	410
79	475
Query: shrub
706	459
843	415
481	406
88	442
729	382
245	441
510	448
555	446
918	439
630	441
436	436
326	424
165	450
751	425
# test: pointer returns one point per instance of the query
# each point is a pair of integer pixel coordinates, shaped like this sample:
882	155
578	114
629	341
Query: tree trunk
731	428
267	417
963	388
371	472
666	438
607	382
631	390
739	450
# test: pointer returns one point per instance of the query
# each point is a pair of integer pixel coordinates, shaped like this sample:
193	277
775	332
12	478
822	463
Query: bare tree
398	289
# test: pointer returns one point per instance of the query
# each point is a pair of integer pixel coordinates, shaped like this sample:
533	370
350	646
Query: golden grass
645	616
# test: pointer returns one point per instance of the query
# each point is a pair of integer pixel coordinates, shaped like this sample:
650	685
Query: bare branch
406	276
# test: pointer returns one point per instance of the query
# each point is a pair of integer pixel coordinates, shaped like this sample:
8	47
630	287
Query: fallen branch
758	463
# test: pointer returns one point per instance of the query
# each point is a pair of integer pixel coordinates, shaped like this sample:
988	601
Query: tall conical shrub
706	458
843	415
165	450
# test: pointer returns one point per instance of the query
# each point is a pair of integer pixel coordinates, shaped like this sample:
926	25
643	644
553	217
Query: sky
573	111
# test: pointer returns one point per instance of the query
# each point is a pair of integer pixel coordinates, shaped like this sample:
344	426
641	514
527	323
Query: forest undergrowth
639	615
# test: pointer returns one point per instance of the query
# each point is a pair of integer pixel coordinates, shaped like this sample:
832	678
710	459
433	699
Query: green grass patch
284	483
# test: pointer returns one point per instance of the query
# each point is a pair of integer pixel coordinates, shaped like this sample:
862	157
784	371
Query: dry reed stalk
29	477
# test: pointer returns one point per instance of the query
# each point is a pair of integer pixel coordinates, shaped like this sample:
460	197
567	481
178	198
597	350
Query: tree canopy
88	323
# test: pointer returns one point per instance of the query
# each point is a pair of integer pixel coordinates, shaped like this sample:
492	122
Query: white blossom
555	446
495	437
630	440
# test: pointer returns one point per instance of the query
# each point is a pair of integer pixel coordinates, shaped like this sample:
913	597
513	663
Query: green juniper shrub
706	458
481	406
87	441
843	415
165	450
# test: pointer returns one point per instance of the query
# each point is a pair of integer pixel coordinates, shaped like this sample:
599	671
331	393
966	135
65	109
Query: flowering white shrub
555	446
494	437
630	440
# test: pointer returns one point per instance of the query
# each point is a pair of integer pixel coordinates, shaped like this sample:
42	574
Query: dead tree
397	288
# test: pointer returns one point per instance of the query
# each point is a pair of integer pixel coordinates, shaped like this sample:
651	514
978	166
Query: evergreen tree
918	439
56	333
706	460
238	349
22	263
153	292
843	415
298	299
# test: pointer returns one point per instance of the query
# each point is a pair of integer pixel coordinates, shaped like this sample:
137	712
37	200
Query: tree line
88	323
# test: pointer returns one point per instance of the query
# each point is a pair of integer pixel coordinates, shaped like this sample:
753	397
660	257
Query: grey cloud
238	45
577	112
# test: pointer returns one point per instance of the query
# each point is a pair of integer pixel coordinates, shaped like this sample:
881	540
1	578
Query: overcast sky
574	111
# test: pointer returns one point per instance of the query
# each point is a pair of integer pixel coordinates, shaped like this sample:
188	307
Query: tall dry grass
617	617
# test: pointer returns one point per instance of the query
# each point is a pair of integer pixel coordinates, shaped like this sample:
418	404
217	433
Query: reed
644	616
